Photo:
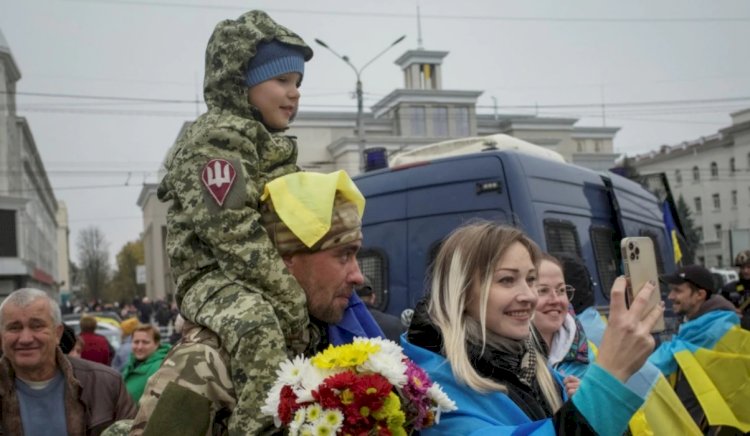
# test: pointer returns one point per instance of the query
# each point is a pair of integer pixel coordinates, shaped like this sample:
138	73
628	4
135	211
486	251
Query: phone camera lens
632	256
637	250
630	245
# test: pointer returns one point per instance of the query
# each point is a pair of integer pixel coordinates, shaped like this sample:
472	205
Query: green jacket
136	376
212	244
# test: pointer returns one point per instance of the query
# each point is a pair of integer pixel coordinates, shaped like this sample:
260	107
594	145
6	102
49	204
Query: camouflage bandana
346	227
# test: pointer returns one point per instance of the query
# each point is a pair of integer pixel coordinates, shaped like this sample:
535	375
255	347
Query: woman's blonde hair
467	260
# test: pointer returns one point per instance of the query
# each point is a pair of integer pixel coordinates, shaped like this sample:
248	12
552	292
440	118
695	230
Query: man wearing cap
314	220
738	291
707	317
390	324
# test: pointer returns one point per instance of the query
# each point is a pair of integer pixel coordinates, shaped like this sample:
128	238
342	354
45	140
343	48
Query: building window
440	121
699	232
732	167
8	242
717	229
719	260
717	201
418	121
677	176
696	174
748	161
462	121
714	170
698	205
597	146
734	198
580	146
701	260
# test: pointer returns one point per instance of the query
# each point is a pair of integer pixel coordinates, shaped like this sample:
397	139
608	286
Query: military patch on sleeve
218	177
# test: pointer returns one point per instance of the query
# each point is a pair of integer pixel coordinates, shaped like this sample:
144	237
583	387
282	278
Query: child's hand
571	383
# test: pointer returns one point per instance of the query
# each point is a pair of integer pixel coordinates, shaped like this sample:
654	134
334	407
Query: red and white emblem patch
218	176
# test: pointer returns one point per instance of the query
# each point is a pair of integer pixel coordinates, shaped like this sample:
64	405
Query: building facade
712	174
424	113
28	208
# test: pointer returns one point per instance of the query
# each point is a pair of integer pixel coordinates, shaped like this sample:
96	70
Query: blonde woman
473	337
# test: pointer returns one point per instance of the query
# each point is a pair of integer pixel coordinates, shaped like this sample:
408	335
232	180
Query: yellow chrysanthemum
345	356
391	406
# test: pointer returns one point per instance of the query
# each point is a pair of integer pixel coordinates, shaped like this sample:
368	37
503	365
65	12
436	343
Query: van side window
655	239
605	256
561	237
374	265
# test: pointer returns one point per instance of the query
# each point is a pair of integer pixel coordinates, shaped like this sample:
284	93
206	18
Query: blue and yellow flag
672	230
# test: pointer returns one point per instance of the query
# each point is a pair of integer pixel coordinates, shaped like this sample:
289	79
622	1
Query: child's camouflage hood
232	45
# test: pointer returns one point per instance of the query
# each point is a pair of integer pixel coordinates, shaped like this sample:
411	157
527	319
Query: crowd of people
265	262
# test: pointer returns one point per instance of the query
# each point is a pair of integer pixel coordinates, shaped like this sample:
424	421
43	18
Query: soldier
193	392
738	291
229	275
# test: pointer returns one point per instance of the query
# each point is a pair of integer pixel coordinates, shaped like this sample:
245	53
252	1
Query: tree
93	255
692	237
123	285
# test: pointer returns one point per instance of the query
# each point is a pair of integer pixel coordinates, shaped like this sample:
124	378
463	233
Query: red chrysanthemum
287	404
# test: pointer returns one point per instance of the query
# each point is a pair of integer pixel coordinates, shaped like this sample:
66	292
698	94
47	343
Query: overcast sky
557	56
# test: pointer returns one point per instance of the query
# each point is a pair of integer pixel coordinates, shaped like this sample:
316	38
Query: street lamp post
360	98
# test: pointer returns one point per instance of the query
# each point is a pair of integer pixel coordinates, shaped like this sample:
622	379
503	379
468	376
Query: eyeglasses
567	291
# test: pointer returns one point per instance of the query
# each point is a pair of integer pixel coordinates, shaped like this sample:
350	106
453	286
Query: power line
410	16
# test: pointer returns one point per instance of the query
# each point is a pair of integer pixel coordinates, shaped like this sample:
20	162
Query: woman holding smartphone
473	337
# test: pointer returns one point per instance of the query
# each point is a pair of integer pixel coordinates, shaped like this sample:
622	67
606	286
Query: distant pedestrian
95	348
391	325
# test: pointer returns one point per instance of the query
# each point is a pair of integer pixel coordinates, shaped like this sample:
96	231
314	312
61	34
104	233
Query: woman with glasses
563	339
473	336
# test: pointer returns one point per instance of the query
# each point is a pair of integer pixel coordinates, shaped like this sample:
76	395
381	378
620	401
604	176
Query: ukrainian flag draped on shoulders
662	412
713	353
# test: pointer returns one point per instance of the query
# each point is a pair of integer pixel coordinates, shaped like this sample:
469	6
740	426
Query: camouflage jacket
200	398
213	221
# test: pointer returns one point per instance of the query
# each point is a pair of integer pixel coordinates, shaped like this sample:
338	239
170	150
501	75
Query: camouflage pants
251	335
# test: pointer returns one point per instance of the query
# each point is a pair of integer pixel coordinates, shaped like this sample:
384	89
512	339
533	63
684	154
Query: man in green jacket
146	358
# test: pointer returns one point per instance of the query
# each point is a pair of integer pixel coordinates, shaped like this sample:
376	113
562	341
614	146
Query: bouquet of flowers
366	387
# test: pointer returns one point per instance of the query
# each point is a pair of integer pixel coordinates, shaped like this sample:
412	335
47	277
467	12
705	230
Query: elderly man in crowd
44	392
192	393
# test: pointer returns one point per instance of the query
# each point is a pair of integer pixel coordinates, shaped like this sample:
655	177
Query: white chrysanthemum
312	377
321	428
297	421
444	403
290	371
271	406
386	346
334	418
306	430
313	412
389	366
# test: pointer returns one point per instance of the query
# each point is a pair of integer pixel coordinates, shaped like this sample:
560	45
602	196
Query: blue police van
565	208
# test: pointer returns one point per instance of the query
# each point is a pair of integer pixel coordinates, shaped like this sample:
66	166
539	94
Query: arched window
696	173
714	170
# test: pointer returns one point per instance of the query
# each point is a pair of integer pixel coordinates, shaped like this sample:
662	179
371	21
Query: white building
28	208
424	113
712	174
63	249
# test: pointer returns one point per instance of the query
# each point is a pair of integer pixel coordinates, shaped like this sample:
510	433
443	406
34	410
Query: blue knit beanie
273	59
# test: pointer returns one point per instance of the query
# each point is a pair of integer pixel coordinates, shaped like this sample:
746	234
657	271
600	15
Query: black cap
695	274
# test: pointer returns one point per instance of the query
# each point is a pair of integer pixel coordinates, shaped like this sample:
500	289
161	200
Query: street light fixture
358	72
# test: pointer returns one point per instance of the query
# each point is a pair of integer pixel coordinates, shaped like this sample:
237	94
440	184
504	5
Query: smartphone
639	260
